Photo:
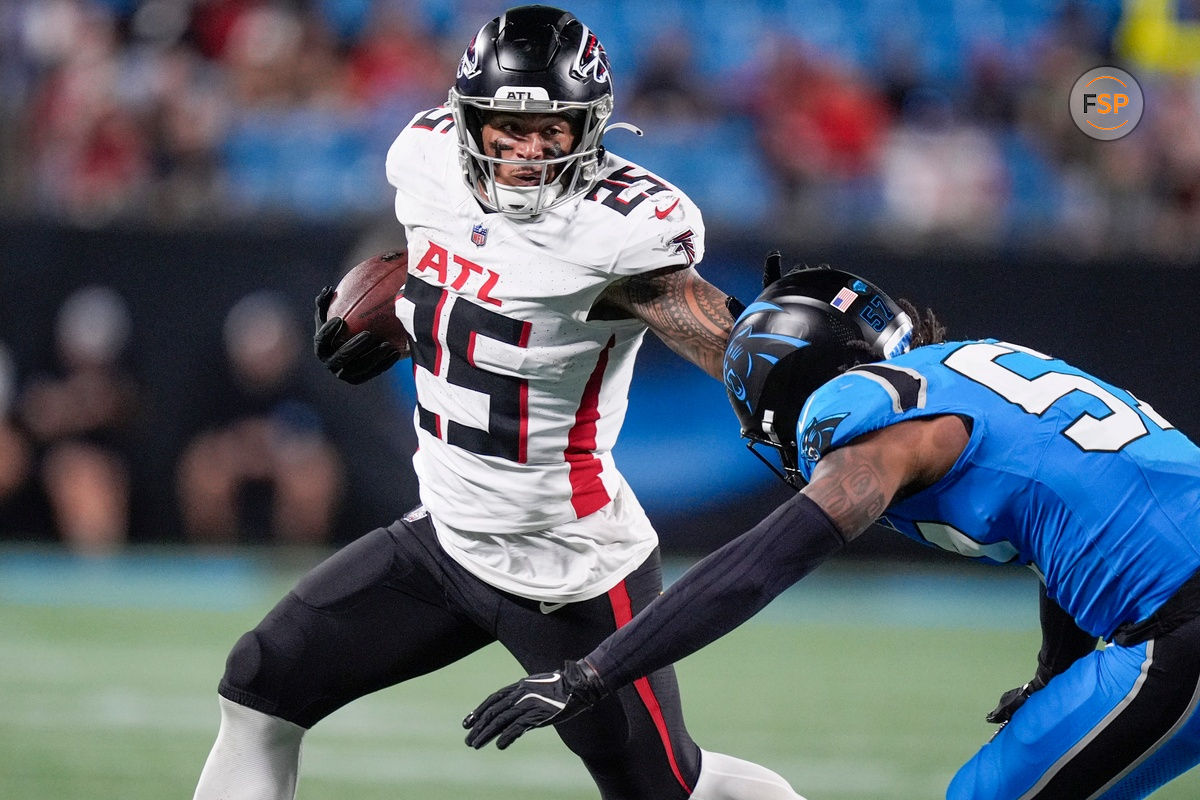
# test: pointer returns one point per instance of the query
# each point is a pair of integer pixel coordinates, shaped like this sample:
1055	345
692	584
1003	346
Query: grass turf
858	683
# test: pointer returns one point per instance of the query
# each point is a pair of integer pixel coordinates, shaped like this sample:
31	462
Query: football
366	298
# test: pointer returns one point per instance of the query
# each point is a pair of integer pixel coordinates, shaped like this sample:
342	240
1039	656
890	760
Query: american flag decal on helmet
844	299
685	245
591	61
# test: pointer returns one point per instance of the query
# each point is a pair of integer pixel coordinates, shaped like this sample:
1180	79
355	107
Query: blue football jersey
1063	472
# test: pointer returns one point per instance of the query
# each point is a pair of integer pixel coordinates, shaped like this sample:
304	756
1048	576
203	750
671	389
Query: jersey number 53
1109	433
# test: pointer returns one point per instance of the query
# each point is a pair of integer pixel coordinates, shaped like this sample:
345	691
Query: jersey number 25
507	425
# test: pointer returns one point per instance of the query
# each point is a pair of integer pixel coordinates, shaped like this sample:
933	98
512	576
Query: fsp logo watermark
1106	103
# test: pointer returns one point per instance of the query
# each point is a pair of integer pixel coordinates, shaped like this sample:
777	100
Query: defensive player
991	450
537	261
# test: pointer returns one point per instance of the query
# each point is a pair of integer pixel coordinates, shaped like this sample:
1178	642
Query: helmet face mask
802	331
541	61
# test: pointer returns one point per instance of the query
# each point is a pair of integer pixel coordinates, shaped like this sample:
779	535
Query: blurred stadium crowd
257	460
894	120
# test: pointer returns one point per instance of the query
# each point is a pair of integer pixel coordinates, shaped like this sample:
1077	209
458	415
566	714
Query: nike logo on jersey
663	213
549	608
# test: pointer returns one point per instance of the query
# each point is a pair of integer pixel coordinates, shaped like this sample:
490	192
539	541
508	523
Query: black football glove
772	268
1013	699
734	306
533	702
356	358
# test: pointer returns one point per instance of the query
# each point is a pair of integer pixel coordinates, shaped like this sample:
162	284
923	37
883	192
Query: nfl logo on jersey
479	235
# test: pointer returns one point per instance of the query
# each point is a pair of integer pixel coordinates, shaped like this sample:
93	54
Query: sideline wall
1129	323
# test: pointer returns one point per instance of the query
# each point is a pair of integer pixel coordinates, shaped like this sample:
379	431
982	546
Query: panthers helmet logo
736	365
743	375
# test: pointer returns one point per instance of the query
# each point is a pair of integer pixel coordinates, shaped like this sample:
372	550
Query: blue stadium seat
716	163
1033	185
312	163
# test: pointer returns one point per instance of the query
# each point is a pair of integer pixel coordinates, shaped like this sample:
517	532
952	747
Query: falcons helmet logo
468	65
590	61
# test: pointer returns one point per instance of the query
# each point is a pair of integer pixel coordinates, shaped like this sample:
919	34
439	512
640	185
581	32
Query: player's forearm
696	326
706	354
721	592
687	312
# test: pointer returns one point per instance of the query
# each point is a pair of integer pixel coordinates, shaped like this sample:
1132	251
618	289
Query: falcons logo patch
684	245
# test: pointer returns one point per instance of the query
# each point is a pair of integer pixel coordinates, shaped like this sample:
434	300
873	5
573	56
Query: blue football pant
1117	725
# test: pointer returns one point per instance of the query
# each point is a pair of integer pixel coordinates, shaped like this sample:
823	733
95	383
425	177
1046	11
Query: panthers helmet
802	331
533	59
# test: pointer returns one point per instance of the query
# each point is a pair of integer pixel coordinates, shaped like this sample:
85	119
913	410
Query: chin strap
624	126
523	199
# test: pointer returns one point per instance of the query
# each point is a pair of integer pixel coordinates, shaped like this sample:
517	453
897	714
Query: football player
537	262
988	449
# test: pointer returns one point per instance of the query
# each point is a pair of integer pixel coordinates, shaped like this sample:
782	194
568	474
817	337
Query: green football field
860	683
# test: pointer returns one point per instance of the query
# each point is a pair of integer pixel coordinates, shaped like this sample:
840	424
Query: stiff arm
850	487
683	309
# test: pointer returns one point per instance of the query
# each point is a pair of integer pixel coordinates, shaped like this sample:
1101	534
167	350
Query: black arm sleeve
1063	642
720	592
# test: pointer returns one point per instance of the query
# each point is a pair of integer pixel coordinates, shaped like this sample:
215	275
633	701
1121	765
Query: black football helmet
533	59
802	331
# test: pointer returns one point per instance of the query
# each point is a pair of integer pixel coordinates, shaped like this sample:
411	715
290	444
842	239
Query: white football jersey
520	396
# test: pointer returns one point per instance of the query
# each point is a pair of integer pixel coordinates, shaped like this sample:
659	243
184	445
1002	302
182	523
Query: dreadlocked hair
927	328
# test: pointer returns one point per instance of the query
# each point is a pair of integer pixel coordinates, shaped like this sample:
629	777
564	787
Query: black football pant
392	605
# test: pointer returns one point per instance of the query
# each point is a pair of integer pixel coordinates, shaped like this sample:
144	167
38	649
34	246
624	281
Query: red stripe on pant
622	608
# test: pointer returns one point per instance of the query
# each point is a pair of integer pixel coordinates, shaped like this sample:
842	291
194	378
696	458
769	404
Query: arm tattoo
686	311
850	489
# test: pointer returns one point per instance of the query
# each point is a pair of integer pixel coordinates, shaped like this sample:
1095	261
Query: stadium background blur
175	172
